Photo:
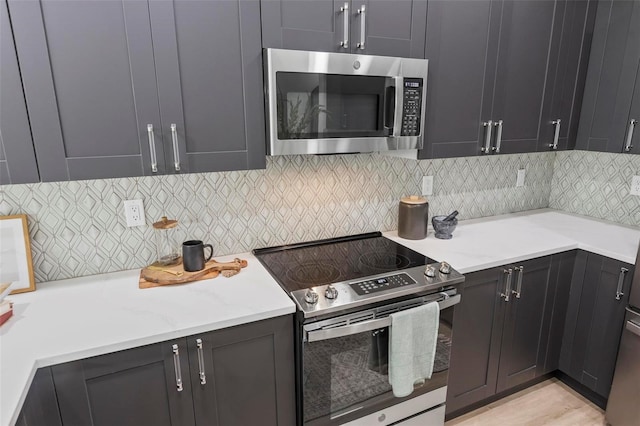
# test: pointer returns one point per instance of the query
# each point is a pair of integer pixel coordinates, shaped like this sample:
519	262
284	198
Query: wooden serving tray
151	276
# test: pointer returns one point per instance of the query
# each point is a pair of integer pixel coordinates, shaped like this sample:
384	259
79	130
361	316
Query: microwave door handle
397	116
389	109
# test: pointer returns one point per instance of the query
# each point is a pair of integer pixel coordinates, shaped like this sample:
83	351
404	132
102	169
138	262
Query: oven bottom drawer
398	412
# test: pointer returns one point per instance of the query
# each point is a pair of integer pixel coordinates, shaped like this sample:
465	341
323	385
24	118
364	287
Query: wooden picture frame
16	263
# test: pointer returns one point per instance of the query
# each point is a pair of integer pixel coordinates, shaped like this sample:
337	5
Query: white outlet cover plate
635	186
520	178
427	185
134	213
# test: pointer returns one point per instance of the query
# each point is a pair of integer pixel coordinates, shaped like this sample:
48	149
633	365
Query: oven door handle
361	327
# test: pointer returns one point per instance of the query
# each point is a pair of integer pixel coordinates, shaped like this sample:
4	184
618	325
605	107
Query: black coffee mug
193	255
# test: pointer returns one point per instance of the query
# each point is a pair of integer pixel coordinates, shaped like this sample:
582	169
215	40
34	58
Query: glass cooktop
306	265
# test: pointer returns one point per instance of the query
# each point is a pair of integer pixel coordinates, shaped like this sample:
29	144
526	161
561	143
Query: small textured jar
413	217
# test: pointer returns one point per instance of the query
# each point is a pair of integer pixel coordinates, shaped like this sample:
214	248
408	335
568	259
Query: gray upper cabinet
17	158
90	87
374	27
606	120
501	72
131	88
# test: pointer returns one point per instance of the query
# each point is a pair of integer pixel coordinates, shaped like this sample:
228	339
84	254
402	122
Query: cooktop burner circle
314	274
385	261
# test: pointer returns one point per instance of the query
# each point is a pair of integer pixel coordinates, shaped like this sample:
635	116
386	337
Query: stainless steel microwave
331	103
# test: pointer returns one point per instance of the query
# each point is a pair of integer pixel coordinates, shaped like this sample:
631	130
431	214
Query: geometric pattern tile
78	228
596	184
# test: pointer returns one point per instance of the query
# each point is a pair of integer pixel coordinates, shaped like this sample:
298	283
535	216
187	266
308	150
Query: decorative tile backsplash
596	184
78	228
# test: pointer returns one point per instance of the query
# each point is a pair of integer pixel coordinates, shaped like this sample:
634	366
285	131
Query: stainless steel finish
413	220
632	125
201	373
507	291
432	402
430	271
556	134
349	299
330	292
176	367
623	273
176	151
445	268
311	296
362	13
372	319
623	408
498	124
488	126
281	60
345	28
152	148
517	292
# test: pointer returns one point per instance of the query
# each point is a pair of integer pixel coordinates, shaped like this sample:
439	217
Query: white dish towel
412	347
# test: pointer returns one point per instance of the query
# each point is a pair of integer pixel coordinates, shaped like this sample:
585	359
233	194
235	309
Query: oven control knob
311	297
445	268
331	292
430	271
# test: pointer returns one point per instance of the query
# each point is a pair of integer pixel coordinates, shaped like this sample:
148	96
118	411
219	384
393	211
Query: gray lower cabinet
241	375
132	88
373	27
501	72
17	157
594	321
501	331
606	118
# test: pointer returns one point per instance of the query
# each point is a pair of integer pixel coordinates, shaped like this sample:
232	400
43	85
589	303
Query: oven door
345	363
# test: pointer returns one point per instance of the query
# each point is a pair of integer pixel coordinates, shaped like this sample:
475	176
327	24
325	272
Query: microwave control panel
411	107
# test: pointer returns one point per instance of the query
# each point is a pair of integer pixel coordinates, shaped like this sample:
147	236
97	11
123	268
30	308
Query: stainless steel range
345	289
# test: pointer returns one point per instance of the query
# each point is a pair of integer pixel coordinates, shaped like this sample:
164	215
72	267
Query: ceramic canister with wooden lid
413	217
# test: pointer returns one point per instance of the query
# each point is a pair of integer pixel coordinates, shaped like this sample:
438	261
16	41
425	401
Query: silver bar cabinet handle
362	13
507	291
176	366
203	377
632	126
498	124
345	15
152	149
176	151
556	134
488	125
619	293
517	292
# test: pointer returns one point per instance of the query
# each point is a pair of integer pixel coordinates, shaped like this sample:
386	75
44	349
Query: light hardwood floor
548	403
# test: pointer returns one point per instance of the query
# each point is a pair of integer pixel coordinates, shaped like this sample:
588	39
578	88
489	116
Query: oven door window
345	374
319	106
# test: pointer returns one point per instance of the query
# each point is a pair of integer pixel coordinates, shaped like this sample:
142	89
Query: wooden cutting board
151	276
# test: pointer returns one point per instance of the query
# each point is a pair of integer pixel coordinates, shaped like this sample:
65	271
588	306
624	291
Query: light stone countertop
484	243
82	317
73	319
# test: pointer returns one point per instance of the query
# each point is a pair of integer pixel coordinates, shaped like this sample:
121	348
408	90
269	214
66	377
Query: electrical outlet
427	185
635	185
520	178
134	213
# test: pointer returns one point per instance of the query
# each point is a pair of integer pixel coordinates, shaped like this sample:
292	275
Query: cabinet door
41	406
316	25
17	158
132	387
90	86
457	46
475	349
209	69
573	27
523	345
248	374
634	114
613	66
392	28
521	76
